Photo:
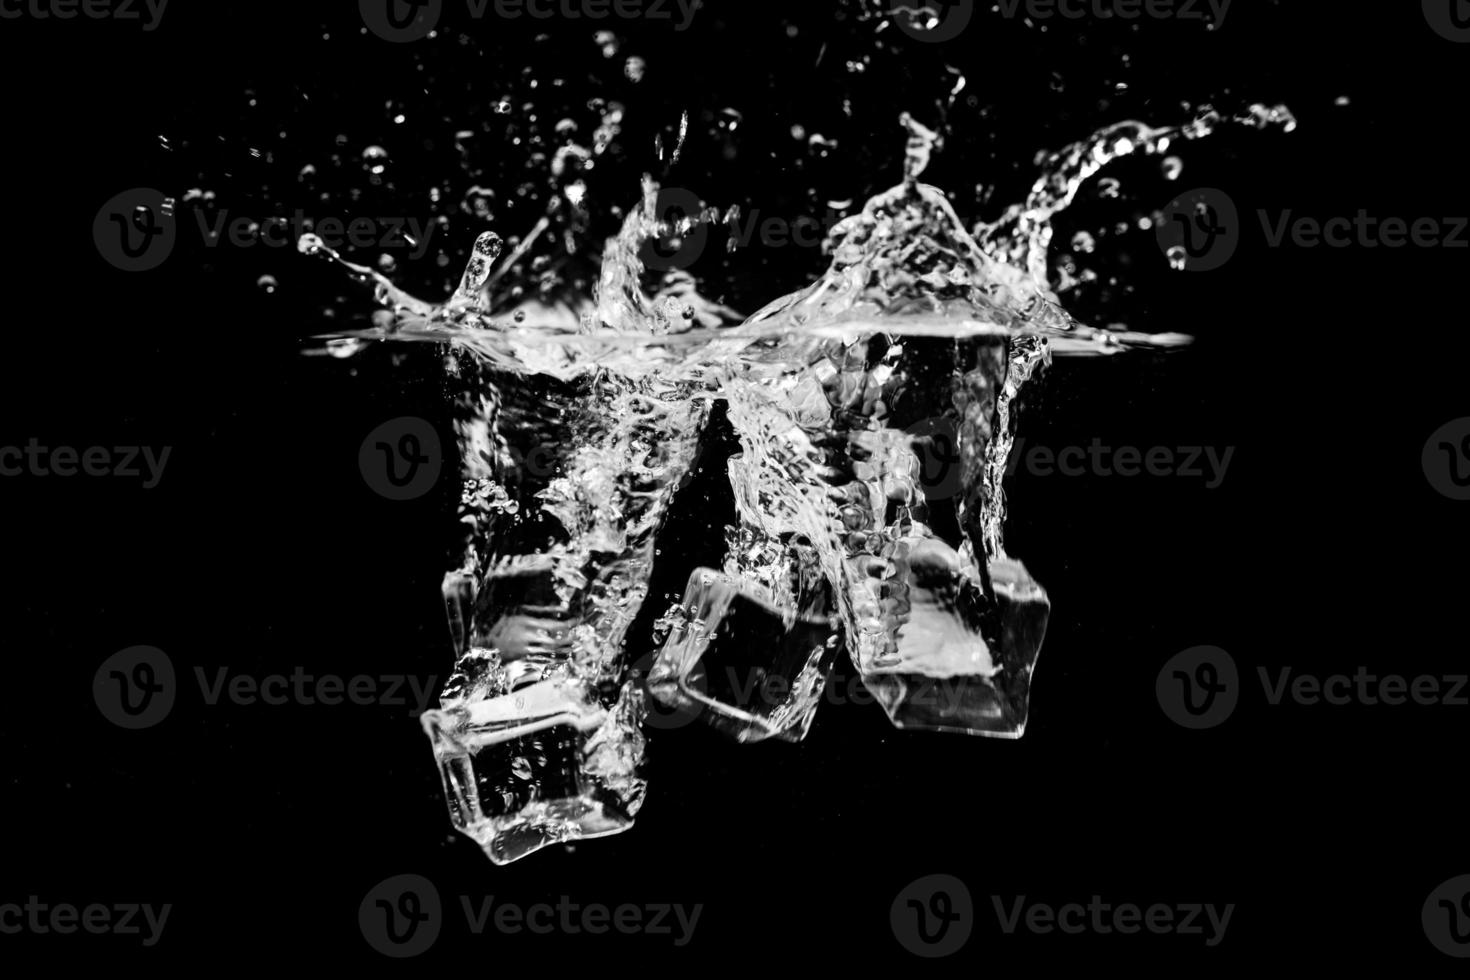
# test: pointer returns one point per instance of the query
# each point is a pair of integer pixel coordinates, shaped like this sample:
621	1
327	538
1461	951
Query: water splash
1022	236
578	421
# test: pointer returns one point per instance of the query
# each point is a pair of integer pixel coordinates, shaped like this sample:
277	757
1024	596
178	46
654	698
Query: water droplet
375	159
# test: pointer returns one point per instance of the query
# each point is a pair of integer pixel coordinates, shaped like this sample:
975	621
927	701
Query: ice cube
954	660
539	765
742	664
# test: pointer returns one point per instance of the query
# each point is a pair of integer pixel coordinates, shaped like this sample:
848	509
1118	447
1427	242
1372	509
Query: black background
1324	549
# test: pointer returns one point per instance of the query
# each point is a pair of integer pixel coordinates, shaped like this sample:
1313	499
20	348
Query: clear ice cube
542	764
942	625
566	484
743	664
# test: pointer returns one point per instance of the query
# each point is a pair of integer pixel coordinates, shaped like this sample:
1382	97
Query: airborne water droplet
375	159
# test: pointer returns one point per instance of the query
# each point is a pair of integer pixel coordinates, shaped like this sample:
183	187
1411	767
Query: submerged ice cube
540	764
955	625
748	667
566	483
961	662
912	325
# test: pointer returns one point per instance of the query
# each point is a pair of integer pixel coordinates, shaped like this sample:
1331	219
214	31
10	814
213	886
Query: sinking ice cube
542	764
741	663
958	662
